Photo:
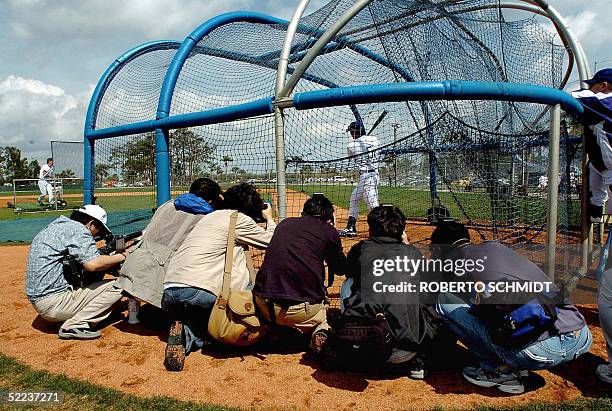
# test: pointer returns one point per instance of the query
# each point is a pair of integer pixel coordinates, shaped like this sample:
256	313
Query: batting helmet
357	126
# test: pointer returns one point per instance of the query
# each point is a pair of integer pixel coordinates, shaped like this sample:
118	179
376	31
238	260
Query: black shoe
175	348
596	213
350	230
417	369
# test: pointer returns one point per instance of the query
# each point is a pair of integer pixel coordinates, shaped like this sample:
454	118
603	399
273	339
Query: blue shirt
45	274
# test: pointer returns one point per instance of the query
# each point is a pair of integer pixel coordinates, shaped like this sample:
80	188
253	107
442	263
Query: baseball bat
378	121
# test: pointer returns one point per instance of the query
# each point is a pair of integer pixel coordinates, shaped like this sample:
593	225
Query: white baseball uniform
45	176
367	187
598	133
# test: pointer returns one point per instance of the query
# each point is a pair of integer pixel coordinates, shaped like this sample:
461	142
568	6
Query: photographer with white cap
65	250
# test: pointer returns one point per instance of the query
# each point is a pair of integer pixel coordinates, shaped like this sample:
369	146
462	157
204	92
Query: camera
260	218
117	243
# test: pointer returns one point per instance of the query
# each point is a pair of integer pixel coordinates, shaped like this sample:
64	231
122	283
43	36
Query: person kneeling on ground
604	303
290	285
144	270
411	324
497	332
195	272
78	306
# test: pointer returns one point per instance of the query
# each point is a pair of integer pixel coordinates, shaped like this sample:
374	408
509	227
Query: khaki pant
80	308
304	317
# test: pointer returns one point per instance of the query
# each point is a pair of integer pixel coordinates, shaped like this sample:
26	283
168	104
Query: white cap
97	212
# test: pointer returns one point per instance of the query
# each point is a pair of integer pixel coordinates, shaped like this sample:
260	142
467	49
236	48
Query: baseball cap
356	126
97	212
601	76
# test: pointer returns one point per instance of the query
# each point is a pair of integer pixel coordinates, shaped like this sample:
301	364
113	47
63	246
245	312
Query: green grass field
110	203
414	203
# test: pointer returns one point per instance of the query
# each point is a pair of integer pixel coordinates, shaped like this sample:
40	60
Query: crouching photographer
61	257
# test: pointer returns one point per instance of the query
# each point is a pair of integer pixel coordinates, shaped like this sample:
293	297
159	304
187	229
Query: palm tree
235	170
226	160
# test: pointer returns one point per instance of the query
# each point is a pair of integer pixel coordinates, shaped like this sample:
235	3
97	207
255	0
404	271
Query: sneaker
317	340
78	334
348	232
507	382
596	213
417	369
175	348
400	356
604	372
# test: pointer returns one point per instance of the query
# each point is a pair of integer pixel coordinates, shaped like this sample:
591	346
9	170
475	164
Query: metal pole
279	117
89	175
553	189
320	44
395	127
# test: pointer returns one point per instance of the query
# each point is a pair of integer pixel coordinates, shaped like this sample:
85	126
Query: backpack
357	342
517	326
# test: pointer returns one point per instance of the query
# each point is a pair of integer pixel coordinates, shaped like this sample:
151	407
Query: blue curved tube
437	90
162	158
251	109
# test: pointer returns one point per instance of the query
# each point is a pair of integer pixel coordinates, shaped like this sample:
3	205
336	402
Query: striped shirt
363	148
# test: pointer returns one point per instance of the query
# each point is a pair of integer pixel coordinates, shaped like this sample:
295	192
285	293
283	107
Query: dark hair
320	207
206	189
387	221
85	218
449	232
49	159
244	198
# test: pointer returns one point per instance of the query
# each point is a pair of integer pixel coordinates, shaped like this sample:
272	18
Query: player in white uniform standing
45	177
597	103
367	187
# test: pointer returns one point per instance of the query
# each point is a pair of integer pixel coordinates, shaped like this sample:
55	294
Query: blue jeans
192	306
345	292
555	350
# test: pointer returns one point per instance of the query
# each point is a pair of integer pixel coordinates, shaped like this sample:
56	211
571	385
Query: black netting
485	161
133	92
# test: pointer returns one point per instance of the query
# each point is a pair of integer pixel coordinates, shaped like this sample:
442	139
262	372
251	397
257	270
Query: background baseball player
367	187
597	102
45	177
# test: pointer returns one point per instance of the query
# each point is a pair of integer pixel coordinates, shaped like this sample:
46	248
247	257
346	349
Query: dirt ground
276	374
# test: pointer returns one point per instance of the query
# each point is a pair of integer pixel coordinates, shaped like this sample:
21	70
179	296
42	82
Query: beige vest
144	270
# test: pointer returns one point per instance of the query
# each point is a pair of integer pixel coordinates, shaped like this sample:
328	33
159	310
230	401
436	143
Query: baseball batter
45	177
362	146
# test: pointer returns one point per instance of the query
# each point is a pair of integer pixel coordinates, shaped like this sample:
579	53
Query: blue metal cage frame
320	43
334	96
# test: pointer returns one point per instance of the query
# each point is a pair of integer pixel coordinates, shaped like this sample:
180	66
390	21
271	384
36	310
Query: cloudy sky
54	51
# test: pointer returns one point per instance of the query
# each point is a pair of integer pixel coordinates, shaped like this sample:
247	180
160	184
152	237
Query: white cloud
66	45
33	113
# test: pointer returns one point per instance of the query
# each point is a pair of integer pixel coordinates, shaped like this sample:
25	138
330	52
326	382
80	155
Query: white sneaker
604	373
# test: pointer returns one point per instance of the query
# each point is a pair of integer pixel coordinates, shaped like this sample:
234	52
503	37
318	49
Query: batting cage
461	100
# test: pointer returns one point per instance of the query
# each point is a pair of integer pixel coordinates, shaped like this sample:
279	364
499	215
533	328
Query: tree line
190	157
